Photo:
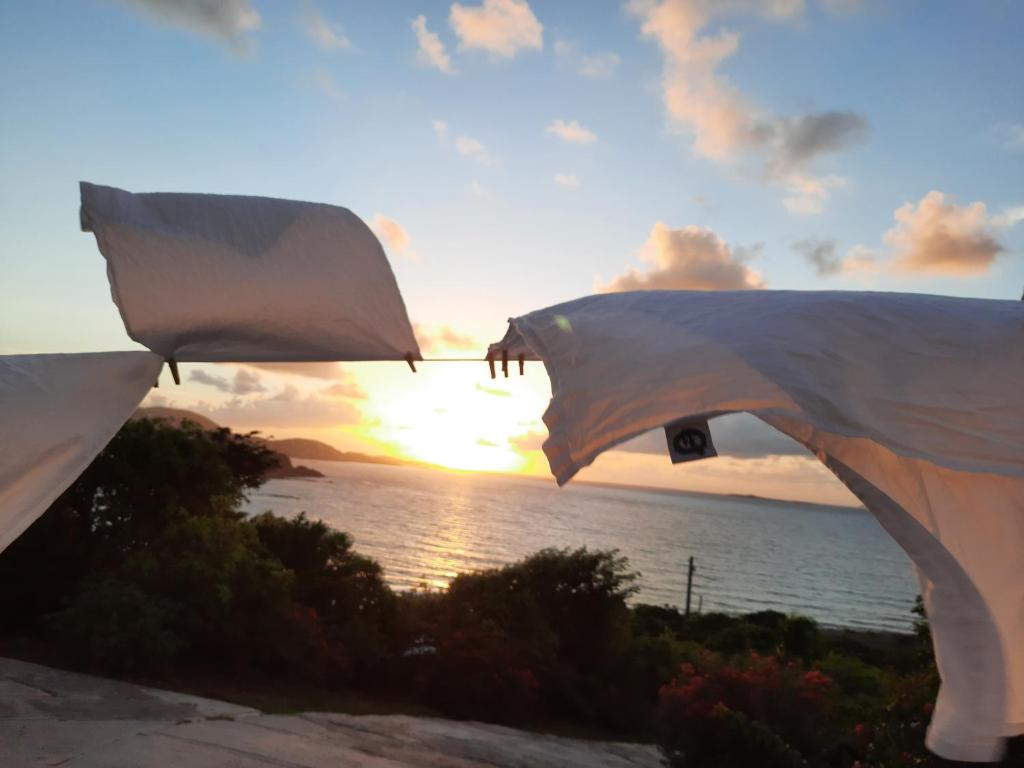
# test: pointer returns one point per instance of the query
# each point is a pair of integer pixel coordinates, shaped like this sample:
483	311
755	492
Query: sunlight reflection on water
424	526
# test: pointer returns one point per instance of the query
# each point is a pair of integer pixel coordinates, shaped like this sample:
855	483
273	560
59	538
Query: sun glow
454	417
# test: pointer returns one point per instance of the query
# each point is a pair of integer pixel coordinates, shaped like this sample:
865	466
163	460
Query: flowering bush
698	709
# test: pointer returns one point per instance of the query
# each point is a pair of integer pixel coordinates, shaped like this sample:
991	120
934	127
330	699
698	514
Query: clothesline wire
491	361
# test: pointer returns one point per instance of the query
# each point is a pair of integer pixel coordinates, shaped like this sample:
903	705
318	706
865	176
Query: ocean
834	564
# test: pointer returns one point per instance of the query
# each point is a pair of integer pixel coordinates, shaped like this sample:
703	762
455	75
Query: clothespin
504	362
173	365
409	359
522	363
490	363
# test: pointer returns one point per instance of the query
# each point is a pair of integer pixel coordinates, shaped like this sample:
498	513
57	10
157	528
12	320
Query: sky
511	155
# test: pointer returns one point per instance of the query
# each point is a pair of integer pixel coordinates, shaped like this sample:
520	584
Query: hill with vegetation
290	448
280	463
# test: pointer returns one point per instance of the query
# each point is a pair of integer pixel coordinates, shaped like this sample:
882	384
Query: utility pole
689	584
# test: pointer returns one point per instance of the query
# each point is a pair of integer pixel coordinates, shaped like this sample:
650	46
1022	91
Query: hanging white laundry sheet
224	278
56	413
915	402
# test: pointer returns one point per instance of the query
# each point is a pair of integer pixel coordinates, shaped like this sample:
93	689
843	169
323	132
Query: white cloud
860	258
500	27
1009	217
937	236
808	194
431	52
468	147
572	132
691	258
724	124
228	21
393	234
1009	136
323	33
567	180
440	129
940	236
593	65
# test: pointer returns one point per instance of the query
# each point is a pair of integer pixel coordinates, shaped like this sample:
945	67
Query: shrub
116	627
800	638
231	598
783	699
355	608
557	621
729	739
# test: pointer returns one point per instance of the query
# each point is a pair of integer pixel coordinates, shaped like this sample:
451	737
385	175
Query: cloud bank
724	124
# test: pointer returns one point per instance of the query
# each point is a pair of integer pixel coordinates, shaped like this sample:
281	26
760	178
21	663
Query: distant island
285	450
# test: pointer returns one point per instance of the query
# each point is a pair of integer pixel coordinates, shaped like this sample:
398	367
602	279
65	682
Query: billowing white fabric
56	413
224	278
915	402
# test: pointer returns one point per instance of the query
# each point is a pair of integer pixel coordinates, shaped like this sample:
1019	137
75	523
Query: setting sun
455	418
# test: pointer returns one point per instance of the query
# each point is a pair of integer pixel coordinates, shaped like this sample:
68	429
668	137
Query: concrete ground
53	718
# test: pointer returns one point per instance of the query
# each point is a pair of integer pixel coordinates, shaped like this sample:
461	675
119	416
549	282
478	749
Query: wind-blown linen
915	402
225	278
56	413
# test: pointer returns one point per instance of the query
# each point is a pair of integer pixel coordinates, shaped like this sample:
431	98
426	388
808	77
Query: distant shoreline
307	449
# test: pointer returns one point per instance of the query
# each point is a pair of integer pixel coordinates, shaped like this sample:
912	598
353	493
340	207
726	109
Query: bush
231	598
355	608
729	739
800	638
785	700
116	627
557	622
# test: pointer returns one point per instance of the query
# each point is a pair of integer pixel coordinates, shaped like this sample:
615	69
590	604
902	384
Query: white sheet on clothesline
56	413
915	402
227	278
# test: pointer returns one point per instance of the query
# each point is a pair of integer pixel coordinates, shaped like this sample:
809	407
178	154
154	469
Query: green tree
355	608
148	549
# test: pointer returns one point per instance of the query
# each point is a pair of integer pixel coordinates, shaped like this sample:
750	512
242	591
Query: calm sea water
424	526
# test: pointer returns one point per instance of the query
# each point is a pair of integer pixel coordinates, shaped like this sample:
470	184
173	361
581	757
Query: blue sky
878	103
